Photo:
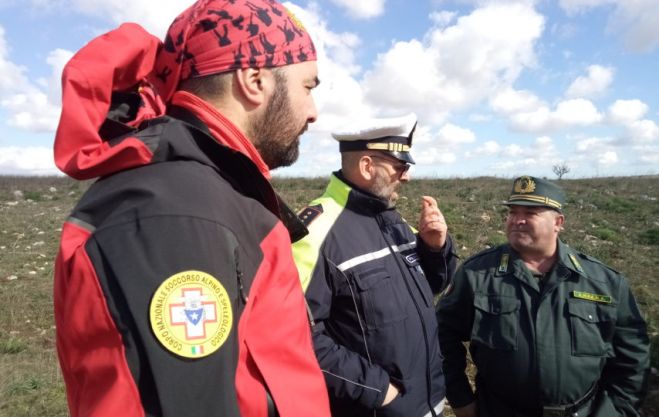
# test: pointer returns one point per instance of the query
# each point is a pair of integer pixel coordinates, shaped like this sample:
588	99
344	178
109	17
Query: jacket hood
105	96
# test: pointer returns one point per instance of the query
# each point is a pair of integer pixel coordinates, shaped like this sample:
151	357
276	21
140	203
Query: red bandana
215	36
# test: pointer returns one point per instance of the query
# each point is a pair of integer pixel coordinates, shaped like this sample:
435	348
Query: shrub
604	233
650	236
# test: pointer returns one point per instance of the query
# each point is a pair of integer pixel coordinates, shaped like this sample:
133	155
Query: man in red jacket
175	289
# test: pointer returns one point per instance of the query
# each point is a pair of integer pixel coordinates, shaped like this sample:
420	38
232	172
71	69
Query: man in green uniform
552	332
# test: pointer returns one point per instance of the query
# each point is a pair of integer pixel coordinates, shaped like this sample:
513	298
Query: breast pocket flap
591	312
370	278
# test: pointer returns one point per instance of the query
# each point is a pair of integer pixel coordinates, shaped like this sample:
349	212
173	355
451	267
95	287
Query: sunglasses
398	167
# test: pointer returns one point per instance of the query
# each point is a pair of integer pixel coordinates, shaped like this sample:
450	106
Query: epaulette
310	213
595	261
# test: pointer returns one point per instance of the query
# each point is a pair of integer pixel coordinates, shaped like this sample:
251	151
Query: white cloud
442	18
456	66
514	150
489	148
339	96
643	131
451	135
57	59
27	160
510	101
627	111
480	117
648	155
517	166
608	158
362	9
544	144
390	85
434	156
635	20
578	6
33	112
629	114
597	152
538	157
568	113
576	112
30	106
593	145
13	77
154	19
599	78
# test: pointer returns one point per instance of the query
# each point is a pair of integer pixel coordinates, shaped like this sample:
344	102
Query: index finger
428	201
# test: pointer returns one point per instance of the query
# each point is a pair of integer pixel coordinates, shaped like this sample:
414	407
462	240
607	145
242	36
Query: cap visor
402	156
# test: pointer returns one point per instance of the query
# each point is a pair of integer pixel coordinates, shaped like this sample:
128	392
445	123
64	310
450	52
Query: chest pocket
592	327
380	299
496	321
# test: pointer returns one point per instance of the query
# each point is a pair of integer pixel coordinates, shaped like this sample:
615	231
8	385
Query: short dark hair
207	86
216	85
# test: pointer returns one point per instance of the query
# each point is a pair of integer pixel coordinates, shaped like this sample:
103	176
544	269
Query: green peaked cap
533	191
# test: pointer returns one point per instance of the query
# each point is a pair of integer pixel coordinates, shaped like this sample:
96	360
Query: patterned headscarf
216	36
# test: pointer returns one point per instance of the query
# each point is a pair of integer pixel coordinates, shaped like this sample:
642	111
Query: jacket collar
566	257
356	199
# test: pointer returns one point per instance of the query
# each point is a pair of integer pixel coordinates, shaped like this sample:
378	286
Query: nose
405	176
313	112
520	220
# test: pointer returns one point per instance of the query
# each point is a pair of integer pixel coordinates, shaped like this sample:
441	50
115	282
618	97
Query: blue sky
501	87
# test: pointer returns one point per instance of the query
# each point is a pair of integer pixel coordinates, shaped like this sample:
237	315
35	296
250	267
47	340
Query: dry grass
614	219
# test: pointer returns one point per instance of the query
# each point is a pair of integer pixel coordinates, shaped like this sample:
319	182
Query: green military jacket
539	343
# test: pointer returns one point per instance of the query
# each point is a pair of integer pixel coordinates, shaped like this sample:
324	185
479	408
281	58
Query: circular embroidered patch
191	314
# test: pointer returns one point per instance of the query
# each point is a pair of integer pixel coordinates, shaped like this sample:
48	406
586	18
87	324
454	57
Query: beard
274	132
385	190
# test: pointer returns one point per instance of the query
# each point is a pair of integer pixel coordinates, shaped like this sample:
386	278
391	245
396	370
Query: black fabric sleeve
439	266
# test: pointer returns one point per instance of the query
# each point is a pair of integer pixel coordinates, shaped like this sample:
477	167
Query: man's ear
366	167
254	84
560	220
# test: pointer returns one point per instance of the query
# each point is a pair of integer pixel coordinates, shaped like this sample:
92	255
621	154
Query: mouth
519	232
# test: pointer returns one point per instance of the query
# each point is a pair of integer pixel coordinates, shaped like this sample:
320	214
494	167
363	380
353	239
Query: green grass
613	219
12	345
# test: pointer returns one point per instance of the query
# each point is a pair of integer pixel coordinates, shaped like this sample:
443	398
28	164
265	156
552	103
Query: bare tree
561	169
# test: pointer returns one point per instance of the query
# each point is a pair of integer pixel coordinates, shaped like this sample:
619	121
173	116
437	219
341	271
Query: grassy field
614	219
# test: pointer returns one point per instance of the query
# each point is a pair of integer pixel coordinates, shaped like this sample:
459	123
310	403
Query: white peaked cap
375	128
391	135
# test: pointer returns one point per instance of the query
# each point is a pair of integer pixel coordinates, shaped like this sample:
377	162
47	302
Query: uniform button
590	317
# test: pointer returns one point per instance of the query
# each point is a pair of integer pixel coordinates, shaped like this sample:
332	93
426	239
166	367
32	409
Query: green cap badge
532	191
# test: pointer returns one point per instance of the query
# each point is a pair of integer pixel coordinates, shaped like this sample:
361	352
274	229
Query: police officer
370	278
553	332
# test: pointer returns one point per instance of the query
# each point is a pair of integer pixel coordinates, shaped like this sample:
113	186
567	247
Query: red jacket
175	289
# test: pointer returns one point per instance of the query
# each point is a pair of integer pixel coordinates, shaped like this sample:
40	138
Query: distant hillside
613	219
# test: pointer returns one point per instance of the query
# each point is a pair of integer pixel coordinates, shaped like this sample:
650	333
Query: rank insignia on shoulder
503	265
190	314
575	262
309	214
598	298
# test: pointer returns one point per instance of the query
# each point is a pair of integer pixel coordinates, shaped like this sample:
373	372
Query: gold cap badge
524	185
